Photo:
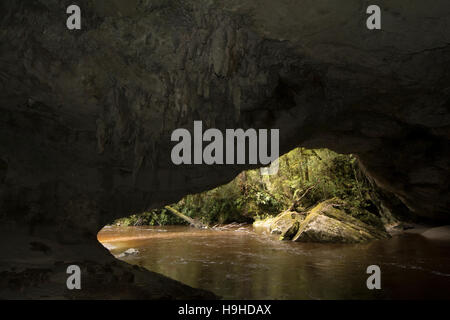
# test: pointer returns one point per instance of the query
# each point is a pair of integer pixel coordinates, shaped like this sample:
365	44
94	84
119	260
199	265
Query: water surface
239	264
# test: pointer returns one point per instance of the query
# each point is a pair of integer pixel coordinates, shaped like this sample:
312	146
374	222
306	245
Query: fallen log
192	222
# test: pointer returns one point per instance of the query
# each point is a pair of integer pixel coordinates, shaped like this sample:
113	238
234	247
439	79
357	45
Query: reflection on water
239	264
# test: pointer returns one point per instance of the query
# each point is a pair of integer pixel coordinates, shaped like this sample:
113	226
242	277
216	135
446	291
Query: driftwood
193	222
233	225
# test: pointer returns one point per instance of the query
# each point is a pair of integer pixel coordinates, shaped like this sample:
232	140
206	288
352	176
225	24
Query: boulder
285	224
291	231
332	221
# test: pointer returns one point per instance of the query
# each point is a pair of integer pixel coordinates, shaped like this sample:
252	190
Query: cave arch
86	117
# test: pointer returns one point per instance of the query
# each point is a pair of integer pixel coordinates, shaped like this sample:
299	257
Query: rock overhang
86	117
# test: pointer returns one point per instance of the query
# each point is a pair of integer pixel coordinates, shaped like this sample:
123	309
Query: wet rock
403	226
129	252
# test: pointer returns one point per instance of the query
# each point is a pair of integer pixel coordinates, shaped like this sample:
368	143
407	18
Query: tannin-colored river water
240	264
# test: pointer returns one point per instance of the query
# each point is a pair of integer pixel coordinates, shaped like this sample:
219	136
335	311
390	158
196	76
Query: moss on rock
283	224
330	221
284	221
333	220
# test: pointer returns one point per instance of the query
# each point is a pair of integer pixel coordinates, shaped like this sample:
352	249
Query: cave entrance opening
208	240
234	260
305	178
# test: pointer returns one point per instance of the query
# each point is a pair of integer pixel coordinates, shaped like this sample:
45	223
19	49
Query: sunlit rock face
330	221
86	116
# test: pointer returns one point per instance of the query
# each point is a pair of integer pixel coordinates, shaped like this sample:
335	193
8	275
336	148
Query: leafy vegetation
156	217
305	178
